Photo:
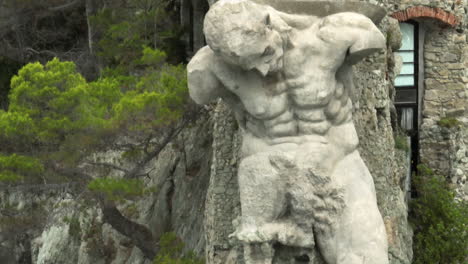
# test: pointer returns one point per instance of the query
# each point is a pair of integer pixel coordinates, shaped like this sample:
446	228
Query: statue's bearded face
242	33
256	51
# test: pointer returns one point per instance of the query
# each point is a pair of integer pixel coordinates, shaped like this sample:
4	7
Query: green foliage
424	171
57	119
163	92
440	222
9	177
128	26
170	252
130	210
401	142
60	118
15	125
16	162
152	57
74	227
448	122
13	167
117	189
49	102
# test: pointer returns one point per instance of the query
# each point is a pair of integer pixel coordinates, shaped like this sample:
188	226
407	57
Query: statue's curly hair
226	24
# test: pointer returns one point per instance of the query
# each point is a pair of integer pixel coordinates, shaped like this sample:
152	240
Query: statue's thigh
262	189
360	234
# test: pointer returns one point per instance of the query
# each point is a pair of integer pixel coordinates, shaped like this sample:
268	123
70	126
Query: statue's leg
358	236
262	196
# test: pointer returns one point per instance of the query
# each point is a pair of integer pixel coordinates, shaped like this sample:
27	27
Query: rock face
58	224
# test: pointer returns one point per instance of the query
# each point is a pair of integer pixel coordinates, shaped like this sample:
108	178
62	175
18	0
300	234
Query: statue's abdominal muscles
310	108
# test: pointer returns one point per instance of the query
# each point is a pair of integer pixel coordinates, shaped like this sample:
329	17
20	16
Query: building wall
446	96
444	88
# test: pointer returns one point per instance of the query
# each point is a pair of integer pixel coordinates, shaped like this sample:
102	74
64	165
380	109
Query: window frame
414	133
415	74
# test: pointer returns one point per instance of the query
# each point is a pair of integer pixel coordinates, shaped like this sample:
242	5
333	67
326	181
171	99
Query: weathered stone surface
376	136
376	141
394	35
446	79
301	180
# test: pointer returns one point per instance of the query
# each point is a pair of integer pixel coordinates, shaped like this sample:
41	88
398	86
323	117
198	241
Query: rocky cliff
58	223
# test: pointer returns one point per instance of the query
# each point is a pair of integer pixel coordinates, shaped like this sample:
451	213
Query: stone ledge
424	11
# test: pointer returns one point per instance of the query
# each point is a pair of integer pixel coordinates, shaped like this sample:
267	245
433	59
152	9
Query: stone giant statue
287	78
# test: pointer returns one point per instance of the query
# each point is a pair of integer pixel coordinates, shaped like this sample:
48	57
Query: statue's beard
277	65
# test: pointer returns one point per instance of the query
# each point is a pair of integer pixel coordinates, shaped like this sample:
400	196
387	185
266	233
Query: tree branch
108	165
152	154
49	52
71	173
65	6
141	235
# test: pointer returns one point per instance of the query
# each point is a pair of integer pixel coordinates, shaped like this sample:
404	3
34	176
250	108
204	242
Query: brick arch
429	12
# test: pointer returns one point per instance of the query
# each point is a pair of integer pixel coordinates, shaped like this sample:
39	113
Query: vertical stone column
222	201
443	148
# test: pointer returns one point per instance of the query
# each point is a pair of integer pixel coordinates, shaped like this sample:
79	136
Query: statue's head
246	34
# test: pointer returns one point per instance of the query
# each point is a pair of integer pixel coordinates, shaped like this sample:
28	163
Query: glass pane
407	118
408	36
404	81
407	69
407	56
406	95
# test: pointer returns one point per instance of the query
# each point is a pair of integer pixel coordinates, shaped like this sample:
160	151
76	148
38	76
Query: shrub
14	167
117	189
440	222
74	227
171	251
448	122
401	143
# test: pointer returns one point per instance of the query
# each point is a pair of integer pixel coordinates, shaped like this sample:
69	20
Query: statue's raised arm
203	84
353	31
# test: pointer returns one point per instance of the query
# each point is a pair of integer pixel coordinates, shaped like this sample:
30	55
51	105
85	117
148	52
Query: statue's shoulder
206	61
349	19
203	82
205	58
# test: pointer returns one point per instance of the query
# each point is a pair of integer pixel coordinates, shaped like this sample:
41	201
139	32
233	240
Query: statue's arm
203	84
298	21
354	32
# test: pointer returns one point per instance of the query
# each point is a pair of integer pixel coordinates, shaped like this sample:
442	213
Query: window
407	95
406	83
407	52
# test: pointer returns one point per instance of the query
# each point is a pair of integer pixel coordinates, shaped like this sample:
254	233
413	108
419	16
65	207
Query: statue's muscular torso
302	103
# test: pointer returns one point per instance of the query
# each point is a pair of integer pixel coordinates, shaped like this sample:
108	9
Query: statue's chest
262	97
